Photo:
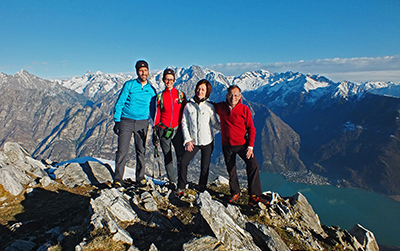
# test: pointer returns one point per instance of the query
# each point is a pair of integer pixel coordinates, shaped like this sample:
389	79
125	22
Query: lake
345	207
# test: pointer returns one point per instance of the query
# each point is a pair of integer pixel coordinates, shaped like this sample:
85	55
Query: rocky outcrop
18	169
154	218
224	222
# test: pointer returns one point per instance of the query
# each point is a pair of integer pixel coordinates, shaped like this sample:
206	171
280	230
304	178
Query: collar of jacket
194	102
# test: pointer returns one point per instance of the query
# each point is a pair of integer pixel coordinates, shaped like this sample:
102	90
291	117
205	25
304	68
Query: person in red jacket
170	104
238	136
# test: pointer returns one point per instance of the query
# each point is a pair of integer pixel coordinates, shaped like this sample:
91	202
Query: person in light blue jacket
135	105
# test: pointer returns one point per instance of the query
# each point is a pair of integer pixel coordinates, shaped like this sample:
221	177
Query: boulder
266	237
78	174
72	175
304	212
365	237
10	181
18	168
21	245
223	225
21	159
200	244
221	181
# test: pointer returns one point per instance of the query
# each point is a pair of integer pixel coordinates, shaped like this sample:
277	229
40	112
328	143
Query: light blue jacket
135	102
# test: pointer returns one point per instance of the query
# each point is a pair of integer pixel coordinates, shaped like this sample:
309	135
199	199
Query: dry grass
9	206
100	240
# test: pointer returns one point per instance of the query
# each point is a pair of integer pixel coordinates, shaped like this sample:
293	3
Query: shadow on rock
50	217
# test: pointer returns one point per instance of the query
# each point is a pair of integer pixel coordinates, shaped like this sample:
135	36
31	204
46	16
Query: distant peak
23	72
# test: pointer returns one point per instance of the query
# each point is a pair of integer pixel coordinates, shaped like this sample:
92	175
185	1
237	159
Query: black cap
140	64
168	71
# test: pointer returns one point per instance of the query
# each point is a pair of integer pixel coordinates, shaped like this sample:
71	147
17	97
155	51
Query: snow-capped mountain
95	85
339	130
280	85
382	88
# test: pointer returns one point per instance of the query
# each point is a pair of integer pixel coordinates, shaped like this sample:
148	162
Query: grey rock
266	237
305	213
123	236
46	181
102	173
21	245
45	247
133	248
90	172
157	220
201	244
19	168
112	207
365	237
22	160
223	225
153	247
72	175
149	203
15	153
10	182
221	181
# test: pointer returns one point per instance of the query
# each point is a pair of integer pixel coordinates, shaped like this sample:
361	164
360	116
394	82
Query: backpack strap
161	101
180	96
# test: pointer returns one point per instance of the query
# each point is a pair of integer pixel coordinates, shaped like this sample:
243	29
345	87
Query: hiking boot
199	188
179	192
171	186
118	184
234	198
141	183
254	199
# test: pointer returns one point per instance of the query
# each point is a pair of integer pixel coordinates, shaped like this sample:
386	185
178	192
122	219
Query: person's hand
249	153
117	127
189	146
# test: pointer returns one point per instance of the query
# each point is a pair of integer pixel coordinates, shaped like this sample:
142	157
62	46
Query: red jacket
171	113
237	126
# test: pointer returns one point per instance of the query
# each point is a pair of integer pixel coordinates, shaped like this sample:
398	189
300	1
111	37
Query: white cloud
337	69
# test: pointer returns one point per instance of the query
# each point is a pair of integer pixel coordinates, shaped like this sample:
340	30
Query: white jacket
197	123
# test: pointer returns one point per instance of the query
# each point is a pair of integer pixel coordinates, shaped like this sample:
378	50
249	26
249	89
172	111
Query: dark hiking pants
139	130
206	152
176	139
253	175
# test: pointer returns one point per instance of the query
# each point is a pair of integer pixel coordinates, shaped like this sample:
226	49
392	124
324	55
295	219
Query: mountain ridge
329	119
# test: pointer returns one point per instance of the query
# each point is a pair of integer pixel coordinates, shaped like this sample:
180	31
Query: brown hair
208	85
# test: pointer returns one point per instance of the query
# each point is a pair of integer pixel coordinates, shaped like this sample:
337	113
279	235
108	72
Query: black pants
139	130
176	140
206	152
253	175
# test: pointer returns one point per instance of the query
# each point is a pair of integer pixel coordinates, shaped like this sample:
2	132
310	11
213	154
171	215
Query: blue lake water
345	207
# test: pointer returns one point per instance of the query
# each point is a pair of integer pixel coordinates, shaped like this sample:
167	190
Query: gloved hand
117	127
155	139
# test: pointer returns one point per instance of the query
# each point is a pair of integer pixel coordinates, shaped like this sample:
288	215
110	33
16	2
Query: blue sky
354	40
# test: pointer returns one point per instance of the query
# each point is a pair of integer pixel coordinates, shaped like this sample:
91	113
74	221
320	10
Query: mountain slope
338	130
30	107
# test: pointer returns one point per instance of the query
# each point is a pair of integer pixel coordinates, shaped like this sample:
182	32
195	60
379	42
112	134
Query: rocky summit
58	215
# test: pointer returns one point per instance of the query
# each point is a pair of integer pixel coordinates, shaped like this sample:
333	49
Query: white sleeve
185	126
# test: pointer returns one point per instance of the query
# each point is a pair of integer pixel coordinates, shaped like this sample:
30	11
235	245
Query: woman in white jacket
197	122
